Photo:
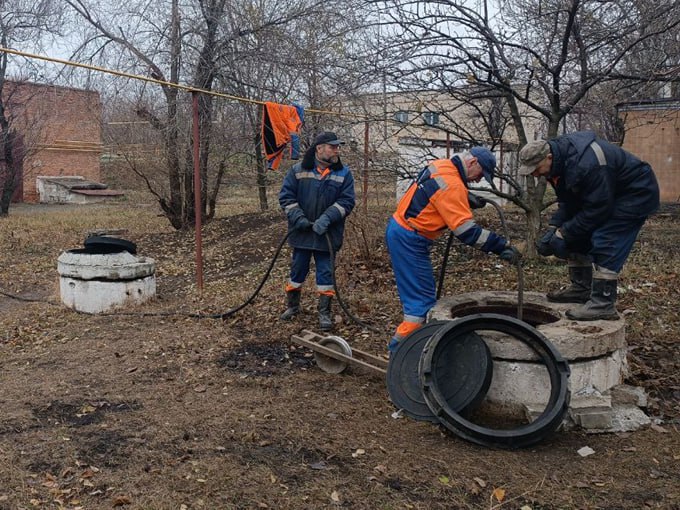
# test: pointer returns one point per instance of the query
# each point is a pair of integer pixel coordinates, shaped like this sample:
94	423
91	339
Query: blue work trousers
410	256
611	244
299	269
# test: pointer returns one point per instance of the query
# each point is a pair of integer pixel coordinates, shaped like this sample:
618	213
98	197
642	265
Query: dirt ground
166	411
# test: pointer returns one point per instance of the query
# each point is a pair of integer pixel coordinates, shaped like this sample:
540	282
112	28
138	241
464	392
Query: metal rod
197	196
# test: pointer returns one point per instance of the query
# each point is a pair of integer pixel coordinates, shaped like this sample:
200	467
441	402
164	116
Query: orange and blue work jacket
438	200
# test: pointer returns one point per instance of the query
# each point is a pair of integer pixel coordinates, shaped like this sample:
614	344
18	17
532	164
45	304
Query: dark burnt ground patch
265	360
78	414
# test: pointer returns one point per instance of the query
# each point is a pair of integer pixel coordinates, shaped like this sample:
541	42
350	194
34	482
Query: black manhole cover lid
463	369
107	244
403	379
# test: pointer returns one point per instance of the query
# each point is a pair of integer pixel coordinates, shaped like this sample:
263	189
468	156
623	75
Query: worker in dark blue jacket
604	195
317	195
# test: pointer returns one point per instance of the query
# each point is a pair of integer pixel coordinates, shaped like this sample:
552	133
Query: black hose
337	292
442	270
518	264
231	311
520	271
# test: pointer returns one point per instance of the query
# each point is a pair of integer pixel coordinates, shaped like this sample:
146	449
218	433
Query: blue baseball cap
486	160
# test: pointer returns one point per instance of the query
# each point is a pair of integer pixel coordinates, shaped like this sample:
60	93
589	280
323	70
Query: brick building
59	133
653	134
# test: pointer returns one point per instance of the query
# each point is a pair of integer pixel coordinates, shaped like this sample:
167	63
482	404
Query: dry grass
160	412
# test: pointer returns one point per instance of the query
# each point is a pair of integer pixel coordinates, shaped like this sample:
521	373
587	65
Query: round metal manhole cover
462	368
468	377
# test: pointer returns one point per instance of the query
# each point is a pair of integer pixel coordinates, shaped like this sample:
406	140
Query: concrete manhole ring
595	351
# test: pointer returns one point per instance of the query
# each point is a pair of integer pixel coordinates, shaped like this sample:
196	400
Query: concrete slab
529	383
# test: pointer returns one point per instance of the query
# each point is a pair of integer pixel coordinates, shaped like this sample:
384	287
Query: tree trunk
261	173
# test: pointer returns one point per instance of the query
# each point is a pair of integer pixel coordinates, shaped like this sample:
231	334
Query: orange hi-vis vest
436	201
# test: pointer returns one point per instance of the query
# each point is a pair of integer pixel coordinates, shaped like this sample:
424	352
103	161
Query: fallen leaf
121	500
335	497
480	482
499	494
658	428
358	452
444	480
200	389
526	507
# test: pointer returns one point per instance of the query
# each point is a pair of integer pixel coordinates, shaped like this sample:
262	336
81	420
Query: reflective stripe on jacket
438	200
317	193
595	180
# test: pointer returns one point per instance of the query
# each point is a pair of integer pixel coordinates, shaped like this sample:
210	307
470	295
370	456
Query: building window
431	118
401	116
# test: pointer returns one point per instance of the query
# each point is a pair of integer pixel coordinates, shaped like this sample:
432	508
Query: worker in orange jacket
437	200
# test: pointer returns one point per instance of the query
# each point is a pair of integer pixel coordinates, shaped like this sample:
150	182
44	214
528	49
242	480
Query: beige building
406	129
653	134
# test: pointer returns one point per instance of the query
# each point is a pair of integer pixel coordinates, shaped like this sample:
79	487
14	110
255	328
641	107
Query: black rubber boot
293	304
325	319
601	303
579	291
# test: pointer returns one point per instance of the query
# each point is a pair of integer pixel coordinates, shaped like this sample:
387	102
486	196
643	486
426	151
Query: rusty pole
197	195
365	197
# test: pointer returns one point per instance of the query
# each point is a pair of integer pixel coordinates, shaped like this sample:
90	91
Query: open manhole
521	384
532	313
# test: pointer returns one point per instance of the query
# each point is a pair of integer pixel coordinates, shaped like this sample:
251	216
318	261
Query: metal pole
448	145
197	196
365	179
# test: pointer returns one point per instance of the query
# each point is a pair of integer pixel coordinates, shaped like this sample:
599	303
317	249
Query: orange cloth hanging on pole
280	125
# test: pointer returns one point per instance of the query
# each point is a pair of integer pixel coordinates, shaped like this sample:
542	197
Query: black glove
302	223
543	244
559	246
321	224
475	201
510	254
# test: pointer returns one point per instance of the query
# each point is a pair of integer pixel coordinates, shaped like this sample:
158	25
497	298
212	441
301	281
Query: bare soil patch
166	411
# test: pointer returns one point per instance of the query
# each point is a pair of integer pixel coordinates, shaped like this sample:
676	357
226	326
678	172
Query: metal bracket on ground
337	349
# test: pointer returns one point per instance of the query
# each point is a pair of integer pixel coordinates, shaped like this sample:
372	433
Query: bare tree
542	56
244	47
22	22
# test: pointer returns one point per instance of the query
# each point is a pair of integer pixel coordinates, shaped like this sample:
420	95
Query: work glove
302	223
475	201
558	246
543	244
510	254
321	224
296	218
